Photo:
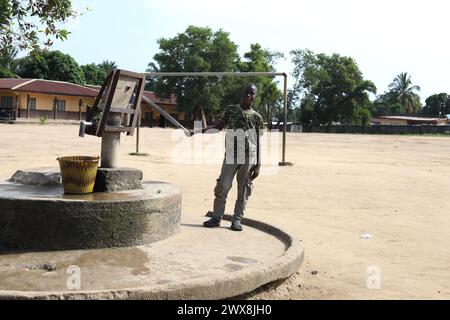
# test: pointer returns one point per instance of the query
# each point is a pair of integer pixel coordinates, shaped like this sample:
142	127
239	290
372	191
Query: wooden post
28	106
16	108
55	111
80	105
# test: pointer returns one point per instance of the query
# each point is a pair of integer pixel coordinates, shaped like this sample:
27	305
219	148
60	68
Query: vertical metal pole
137	133
285	118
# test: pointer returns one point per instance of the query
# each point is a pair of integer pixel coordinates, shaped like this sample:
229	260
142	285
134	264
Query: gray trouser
224	184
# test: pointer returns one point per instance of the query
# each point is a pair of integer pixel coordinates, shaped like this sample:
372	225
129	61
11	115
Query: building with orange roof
32	98
57	100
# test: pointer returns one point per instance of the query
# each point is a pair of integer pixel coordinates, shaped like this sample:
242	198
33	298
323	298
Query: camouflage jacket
242	127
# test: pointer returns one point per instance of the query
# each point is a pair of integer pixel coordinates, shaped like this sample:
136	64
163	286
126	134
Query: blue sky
385	37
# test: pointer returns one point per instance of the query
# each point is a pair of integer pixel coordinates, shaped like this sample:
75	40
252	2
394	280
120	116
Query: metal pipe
233	74
157	108
285	118
111	143
214	74
110	150
85	125
137	133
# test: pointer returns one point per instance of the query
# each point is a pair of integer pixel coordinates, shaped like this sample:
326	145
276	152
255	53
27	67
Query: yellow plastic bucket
78	174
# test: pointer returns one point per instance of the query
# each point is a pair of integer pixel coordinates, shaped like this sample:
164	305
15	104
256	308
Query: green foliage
196	50
202	50
362	116
402	91
151	82
42	120
23	23
51	65
329	89
93	74
6	73
269	99
386	103
96	74
437	105
7	55
400	98
107	66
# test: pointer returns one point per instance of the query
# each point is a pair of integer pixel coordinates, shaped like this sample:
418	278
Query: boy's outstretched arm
219	125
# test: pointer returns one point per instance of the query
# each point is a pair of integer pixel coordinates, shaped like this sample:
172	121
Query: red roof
47	86
411	120
11	83
65	88
415	118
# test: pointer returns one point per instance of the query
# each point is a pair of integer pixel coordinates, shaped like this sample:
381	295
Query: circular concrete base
196	263
44	218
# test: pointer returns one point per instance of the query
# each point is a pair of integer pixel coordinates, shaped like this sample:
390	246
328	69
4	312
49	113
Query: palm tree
7	55
403	91
107	66
151	82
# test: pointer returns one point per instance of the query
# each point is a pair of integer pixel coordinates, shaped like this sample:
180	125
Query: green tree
151	82
96	73
386	103
107	66
437	105
6	73
7	56
22	22
403	91
269	97
196	50
51	65
362	117
93	74
329	88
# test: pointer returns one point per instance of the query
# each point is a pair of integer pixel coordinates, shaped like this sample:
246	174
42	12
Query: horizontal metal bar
216	74
233	74
157	108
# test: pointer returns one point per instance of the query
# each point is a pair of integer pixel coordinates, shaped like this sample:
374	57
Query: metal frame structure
106	95
118	102
238	74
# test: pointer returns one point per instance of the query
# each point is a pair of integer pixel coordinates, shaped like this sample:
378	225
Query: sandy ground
394	188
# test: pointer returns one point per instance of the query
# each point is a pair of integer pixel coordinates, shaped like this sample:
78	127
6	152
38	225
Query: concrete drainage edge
210	288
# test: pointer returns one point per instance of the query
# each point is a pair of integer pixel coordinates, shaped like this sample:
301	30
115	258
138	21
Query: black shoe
236	226
212	223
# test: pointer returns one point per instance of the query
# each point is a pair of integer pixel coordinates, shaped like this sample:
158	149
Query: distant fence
380	129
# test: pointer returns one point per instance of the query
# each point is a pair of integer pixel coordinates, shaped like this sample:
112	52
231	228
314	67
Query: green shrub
42	119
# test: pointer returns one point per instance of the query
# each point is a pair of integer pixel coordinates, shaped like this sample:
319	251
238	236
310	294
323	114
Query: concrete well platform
196	263
43	218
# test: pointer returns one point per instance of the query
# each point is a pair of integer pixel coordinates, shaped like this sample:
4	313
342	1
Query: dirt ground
393	189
